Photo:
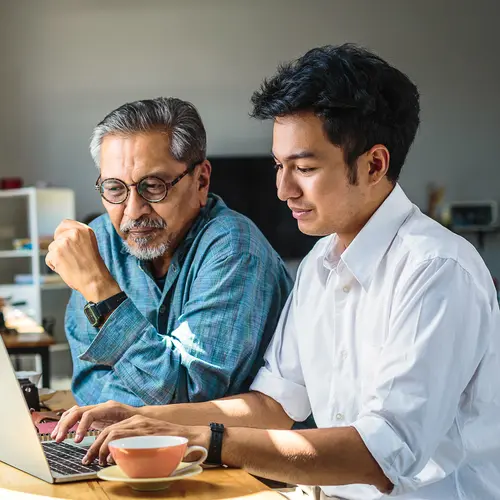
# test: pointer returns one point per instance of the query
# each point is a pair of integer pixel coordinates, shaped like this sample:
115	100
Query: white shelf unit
31	213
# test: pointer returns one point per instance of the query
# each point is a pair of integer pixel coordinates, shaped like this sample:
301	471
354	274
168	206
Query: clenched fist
74	255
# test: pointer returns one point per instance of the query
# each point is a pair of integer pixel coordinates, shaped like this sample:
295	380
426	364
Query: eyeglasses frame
168	185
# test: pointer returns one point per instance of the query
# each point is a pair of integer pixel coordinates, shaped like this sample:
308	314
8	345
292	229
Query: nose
287	185
135	205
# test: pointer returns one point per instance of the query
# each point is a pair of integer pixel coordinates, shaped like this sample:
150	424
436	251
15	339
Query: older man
176	296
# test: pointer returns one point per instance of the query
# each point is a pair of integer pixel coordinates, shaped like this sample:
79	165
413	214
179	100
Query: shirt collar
364	254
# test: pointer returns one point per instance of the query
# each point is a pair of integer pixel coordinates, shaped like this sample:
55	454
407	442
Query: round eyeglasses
150	188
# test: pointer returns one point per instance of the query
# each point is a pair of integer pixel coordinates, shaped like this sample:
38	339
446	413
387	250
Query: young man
176	296
390	337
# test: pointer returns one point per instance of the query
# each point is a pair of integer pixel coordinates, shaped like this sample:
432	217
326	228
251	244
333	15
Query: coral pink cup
153	456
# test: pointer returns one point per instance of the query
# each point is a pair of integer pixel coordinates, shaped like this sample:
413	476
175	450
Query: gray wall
65	63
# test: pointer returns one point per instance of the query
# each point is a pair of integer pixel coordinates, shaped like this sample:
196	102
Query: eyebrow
297	156
162	175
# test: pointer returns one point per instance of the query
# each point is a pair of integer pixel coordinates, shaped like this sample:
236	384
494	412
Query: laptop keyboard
67	459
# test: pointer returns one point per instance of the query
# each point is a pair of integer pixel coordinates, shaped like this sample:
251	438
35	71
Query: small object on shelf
435	196
45	279
25	243
11	183
473	215
21	244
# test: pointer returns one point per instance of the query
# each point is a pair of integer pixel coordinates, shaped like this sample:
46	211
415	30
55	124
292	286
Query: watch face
91	314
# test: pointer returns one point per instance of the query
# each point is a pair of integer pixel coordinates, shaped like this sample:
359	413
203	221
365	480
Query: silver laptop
20	445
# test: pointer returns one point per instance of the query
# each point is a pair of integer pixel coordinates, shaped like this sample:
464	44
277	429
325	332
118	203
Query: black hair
362	100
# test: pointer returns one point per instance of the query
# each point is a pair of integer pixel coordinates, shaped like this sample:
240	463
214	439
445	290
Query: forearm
315	457
253	409
98	385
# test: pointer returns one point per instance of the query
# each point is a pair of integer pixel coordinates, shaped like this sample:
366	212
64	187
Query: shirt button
162	309
346	289
339	416
344	354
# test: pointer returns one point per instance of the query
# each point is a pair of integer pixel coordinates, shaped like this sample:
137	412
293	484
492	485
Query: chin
312	229
146	251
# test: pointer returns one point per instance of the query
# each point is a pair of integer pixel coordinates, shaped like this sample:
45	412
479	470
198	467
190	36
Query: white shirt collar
364	254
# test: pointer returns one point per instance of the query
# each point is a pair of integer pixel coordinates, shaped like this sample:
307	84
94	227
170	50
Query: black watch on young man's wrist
97	312
215	449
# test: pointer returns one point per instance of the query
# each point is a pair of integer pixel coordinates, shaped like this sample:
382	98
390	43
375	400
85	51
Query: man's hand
143	426
96	416
74	255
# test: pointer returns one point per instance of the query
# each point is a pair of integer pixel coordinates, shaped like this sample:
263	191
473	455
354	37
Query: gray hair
177	118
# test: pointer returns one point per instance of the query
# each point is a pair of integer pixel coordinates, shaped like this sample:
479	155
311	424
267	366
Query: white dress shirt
399	337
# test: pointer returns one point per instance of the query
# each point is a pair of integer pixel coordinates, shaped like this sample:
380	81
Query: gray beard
142	251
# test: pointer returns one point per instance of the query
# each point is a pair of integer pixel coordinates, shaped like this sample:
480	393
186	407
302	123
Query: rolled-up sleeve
281	377
437	337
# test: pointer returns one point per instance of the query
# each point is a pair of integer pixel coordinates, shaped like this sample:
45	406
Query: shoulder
102	224
422	245
229	232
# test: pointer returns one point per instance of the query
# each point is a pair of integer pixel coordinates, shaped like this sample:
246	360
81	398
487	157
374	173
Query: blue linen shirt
202	336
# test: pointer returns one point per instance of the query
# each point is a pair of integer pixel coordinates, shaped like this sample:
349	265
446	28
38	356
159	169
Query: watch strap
108	305
215	449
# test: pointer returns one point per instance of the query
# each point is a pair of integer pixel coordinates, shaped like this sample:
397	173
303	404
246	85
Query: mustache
143	222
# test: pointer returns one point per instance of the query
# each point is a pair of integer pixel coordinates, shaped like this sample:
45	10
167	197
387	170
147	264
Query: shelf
43	286
475	229
54	286
15	253
26	191
12	193
7	254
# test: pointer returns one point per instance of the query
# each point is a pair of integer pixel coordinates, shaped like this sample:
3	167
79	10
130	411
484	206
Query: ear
378	162
202	174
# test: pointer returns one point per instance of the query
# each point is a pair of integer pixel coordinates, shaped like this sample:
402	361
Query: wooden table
30	339
212	484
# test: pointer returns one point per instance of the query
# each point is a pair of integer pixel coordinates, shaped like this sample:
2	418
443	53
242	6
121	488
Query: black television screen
248	185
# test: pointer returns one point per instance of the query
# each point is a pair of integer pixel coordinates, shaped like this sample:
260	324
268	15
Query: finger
93	451
67	422
49	261
100	446
65	225
85	422
52	246
104	449
61	416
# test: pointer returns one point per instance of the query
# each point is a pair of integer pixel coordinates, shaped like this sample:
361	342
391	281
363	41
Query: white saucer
114	473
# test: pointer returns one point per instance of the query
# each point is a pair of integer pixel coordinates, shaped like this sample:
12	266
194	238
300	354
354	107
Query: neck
347	237
159	267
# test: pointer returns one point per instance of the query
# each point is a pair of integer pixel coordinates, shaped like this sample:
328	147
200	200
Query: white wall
65	63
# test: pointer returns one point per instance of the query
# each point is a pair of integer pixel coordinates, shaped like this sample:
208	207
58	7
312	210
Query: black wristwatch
96	313
215	449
